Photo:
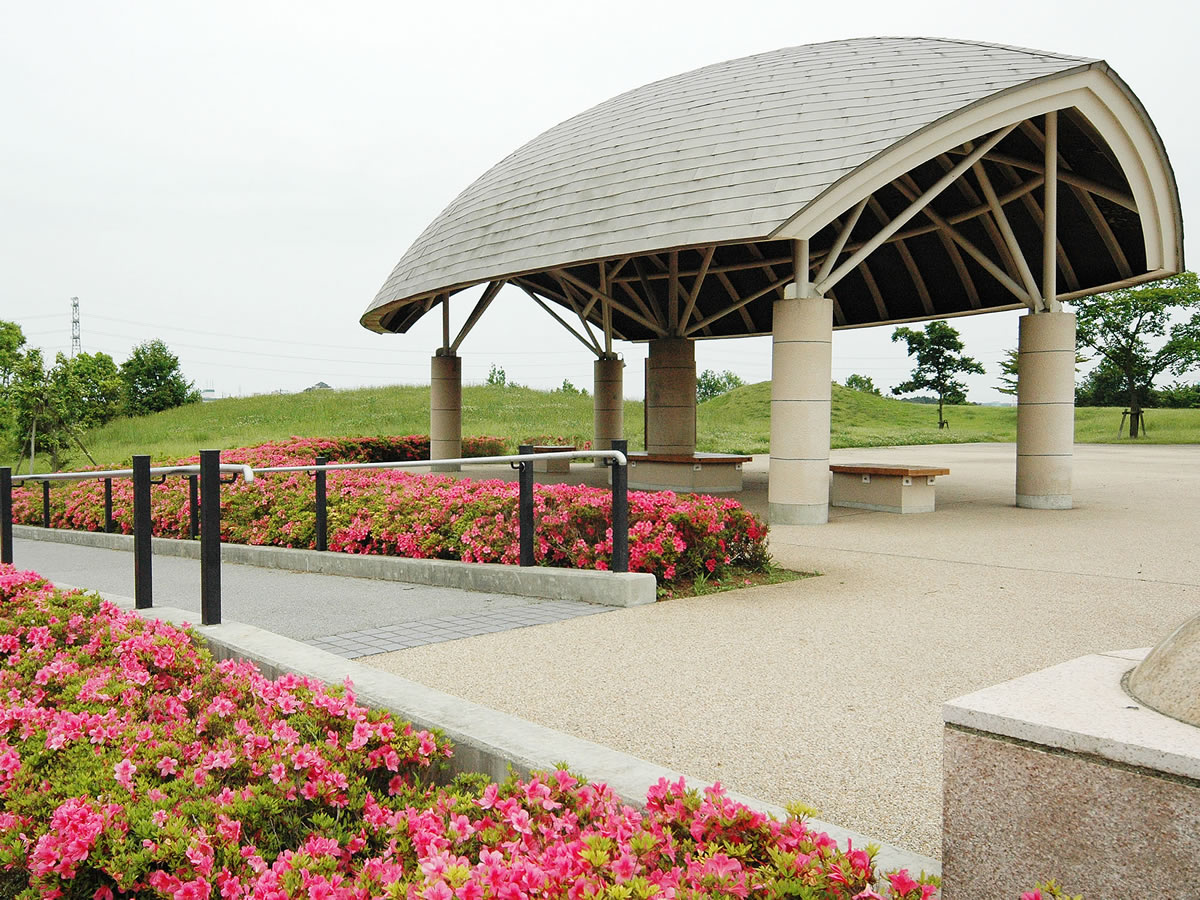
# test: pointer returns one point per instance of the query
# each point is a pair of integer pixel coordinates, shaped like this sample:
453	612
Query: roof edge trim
1095	90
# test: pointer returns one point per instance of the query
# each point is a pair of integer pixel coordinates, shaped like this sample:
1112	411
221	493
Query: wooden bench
708	473
552	465
886	488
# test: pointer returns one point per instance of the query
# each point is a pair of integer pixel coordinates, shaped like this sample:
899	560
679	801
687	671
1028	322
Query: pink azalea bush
133	765
391	512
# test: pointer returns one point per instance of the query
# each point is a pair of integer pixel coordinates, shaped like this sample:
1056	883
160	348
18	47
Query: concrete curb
606	588
485	739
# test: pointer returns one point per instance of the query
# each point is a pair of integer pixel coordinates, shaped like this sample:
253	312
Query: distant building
319	386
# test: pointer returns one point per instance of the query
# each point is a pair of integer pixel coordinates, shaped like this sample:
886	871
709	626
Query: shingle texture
724	153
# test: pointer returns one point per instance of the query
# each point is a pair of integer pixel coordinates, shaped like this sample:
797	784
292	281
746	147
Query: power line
257	339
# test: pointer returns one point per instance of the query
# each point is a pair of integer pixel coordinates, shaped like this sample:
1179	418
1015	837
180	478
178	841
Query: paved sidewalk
348	616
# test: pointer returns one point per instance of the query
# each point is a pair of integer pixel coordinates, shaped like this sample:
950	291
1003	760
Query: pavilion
838	185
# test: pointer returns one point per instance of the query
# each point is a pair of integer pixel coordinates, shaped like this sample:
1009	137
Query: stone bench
552	465
706	473
886	488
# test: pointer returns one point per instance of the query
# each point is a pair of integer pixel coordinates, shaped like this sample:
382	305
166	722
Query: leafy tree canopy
711	384
939	360
43	408
12	339
862	383
1120	326
152	380
98	384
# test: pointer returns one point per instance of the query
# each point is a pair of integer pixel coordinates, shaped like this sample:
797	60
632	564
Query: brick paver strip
402	636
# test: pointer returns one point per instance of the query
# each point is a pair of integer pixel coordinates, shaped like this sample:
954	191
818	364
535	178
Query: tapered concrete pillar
445	410
801	373
608	403
671	397
1045	410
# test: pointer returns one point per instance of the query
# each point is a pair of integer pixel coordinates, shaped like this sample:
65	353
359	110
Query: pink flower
123	772
168	765
902	883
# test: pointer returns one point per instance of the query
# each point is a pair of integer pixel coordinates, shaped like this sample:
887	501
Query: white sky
239	178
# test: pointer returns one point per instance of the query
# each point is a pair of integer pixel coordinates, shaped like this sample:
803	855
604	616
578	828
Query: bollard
620	511
321	526
108	519
210	537
45	504
525	505
6	537
143	577
193	506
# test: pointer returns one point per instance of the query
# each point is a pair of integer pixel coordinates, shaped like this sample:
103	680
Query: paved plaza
828	690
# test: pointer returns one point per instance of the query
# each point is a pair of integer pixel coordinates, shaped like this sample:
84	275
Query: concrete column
801	372
445	410
1045	410
671	397
608	403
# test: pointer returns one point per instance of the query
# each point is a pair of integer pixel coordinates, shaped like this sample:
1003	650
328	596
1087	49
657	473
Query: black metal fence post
45	504
210	537
6	534
193	506
143	577
620	511
322	542
525	505
108	519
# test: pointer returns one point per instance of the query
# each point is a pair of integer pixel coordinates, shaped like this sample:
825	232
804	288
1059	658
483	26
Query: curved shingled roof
672	207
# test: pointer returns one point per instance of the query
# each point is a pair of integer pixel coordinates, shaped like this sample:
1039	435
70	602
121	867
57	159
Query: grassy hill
735	422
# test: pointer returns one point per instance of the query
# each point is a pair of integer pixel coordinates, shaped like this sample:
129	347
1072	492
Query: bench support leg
1045	410
801	371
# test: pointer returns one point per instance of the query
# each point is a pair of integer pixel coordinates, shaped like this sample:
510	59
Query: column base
797	513
1044	501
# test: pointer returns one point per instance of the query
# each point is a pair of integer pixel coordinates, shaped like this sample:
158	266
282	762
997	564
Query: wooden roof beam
915	207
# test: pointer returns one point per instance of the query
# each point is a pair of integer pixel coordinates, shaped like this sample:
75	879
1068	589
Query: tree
98	385
713	384
12	339
938	351
1106	385
1008	371
152	381
1118	325
862	383
44	408
496	377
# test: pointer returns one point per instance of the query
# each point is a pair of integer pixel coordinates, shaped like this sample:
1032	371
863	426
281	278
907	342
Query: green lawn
737	422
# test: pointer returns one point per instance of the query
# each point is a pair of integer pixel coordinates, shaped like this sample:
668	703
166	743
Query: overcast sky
238	179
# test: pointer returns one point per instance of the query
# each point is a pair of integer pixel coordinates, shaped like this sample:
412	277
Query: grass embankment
738	422
513	413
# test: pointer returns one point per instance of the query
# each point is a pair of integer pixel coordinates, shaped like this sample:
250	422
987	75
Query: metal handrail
247	472
616	455
207	477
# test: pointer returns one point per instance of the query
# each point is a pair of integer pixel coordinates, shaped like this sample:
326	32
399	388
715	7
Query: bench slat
903	471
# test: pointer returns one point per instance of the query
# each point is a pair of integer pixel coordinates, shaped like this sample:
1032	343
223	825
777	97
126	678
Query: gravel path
828	690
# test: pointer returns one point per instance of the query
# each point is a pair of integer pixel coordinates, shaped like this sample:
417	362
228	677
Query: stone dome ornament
1168	679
